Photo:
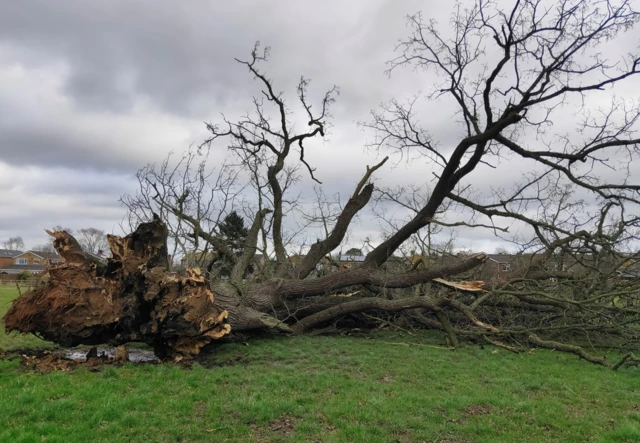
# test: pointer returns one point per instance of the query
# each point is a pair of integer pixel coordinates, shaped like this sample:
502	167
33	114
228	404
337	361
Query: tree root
131	298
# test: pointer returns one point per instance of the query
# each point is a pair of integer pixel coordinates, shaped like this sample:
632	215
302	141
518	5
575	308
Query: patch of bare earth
477	409
283	426
46	361
199	409
447	440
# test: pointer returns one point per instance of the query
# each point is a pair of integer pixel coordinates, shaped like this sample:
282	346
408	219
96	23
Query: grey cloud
103	87
35	199
110	56
173	54
180	55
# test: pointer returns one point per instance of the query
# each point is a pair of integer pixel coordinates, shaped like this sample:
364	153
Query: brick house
34	262
6	257
499	267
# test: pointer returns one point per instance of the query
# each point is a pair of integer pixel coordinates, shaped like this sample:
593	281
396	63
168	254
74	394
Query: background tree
92	240
354	252
24	276
14	243
234	234
45	247
187	184
233	231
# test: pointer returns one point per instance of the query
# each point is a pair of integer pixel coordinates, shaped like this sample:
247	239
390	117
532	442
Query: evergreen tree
233	230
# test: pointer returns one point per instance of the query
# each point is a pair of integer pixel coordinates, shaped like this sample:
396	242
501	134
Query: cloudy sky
90	91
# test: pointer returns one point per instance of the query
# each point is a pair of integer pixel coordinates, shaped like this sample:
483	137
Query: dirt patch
575	411
477	409
447	440
401	435
199	409
208	360
46	361
283	426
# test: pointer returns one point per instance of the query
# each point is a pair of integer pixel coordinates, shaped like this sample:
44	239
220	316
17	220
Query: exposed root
131	298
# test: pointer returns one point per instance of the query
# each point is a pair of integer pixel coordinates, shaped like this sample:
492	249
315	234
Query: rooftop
503	258
9	253
44	254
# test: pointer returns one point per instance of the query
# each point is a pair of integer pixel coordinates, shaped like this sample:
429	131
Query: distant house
351	258
499	267
6	257
34	262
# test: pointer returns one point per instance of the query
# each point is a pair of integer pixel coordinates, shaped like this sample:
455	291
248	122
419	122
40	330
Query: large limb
359	200
455	170
433	305
249	248
284	289
628	358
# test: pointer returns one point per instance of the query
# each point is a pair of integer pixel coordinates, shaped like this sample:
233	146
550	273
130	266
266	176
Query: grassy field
386	388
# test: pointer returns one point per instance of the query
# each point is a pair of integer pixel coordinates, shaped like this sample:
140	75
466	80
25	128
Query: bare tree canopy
45	247
92	240
511	73
14	243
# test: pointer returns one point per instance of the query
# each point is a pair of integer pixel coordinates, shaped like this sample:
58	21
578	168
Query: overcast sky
90	91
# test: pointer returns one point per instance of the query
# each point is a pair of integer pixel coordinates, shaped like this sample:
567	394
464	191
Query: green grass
387	388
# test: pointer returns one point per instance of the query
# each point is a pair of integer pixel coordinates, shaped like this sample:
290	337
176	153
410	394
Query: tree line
91	240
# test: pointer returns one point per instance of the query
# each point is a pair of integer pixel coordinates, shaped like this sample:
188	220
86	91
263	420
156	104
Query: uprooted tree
511	74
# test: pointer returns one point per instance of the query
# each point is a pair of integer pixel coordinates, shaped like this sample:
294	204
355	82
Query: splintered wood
468	286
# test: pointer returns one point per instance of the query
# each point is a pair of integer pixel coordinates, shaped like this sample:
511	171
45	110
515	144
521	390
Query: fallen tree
509	73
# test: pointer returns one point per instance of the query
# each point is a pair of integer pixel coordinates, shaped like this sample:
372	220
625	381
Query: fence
11	279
